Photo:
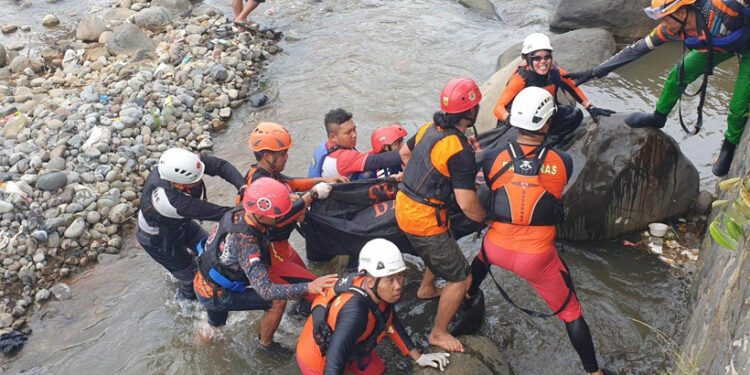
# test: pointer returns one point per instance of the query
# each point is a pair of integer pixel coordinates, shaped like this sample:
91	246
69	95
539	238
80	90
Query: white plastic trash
658	229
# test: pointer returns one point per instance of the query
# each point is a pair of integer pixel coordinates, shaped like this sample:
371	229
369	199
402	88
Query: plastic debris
12	342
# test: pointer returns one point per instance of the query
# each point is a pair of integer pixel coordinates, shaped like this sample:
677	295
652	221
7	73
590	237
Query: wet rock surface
481	356
624	18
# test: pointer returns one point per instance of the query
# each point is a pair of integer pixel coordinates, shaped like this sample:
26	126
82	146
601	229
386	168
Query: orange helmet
270	136
662	8
386	136
460	95
267	197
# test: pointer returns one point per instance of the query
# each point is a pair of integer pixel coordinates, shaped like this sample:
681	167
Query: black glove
503	123
582	76
596	112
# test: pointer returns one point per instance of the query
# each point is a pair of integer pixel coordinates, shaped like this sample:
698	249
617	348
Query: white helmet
180	166
381	258
531	108
536	42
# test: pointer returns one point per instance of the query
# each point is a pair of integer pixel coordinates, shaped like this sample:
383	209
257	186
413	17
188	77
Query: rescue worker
527	179
350	319
388	138
339	156
440	163
539	70
270	142
714	31
234	261
173	197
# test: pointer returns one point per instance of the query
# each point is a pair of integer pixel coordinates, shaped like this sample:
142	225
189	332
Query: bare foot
446	341
429	292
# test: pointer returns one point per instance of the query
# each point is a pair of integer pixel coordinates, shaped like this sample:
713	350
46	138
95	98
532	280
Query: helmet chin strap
375	288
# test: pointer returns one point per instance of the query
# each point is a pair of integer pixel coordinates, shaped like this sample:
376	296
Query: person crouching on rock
439	165
233	264
270	142
388	138
338	155
538	70
350	319
714	31
526	180
172	197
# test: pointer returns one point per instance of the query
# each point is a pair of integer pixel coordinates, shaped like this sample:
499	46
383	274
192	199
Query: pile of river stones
82	125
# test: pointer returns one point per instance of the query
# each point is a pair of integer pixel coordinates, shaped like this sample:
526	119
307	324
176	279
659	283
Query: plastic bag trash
104	99
72	57
11	187
11	342
655	248
96	134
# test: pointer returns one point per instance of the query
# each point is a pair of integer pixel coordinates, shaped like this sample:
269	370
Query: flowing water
385	61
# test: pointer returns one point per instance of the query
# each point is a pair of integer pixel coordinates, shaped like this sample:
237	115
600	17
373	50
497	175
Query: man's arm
406	148
383	160
250	261
224	169
351	323
469	203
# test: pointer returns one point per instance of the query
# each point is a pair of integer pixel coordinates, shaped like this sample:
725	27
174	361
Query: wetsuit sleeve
634	51
298	184
298	208
257	275
411	142
383	160
570	86
224	169
515	85
399	336
351	323
194	208
462	167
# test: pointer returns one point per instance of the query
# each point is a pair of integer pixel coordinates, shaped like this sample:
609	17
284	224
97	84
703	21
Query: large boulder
574	50
175	7
624	18
716	336
481	357
21	62
483	6
129	39
154	18
624	179
90	27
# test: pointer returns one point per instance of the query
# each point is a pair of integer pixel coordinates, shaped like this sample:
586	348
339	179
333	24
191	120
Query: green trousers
695	65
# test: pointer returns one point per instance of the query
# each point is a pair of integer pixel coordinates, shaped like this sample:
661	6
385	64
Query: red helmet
460	95
270	136
386	136
267	197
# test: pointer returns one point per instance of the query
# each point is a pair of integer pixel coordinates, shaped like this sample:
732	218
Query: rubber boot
654	120
721	167
186	292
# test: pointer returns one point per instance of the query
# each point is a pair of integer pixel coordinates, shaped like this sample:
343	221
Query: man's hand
321	190
335	179
316	286
436	360
596	112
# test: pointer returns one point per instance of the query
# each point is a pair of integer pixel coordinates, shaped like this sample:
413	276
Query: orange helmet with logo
386	136
460	95
267	197
662	8
270	136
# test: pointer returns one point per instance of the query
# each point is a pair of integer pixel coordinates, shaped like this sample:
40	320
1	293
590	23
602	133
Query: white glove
321	190
436	360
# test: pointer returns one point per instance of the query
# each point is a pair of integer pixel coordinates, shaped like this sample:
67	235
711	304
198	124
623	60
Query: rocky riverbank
82	125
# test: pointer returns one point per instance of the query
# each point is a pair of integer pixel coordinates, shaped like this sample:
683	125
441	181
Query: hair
450	120
334	118
258	155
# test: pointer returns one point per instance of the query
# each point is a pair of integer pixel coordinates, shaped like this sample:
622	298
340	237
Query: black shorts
218	307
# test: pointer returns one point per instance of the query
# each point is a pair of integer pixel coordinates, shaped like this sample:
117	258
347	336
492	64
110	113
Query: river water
385	61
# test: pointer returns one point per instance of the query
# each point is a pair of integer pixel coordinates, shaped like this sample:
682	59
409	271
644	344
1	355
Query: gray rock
75	229
16	125
5	320
40	236
57	163
483	6
154	18
90	27
481	357
105	258
5	207
175	7
129	39
52	181
219	73
116	16
206	10
54	222
3	56
628	178
93	217
73	208
624	18
54	240
703	203
50	20
578	49
120	213
42	295
62	291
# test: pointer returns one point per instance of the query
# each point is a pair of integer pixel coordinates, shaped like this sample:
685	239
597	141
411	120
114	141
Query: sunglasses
538	58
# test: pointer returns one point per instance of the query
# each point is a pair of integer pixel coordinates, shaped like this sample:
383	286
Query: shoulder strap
517	154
